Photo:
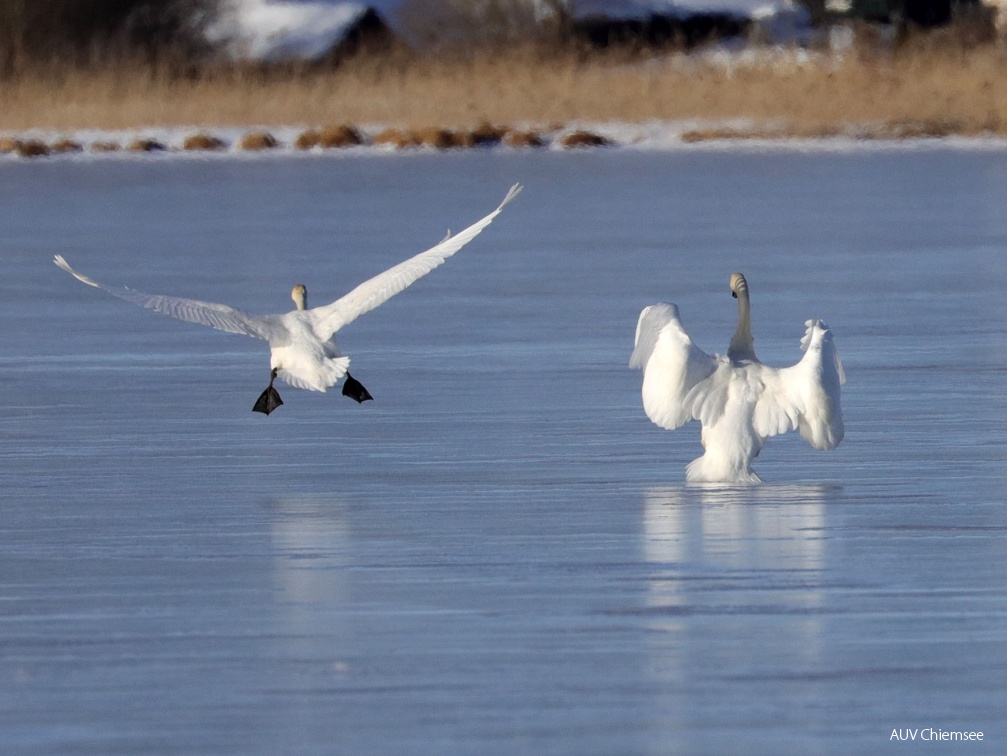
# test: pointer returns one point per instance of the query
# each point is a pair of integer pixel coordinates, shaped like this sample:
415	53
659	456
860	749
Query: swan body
303	351
738	401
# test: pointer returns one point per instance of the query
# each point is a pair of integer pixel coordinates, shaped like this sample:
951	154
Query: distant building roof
618	9
641	9
274	30
689	21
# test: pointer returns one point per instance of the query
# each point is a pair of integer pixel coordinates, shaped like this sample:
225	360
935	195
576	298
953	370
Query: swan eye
734	294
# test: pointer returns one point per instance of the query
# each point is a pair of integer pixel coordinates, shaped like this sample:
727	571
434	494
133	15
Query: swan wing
218	316
806	396
675	370
330	318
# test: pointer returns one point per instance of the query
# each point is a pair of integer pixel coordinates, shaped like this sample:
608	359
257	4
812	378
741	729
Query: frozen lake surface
498	555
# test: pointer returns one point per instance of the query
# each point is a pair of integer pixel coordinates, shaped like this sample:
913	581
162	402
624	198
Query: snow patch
271	30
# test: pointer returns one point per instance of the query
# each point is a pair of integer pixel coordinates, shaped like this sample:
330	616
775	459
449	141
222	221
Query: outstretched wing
330	318
672	366
805	397
218	316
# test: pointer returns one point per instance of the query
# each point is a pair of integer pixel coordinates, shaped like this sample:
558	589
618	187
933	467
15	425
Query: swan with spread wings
739	401
303	352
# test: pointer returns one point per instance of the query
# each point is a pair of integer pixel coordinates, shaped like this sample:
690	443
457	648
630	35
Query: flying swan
738	401
302	349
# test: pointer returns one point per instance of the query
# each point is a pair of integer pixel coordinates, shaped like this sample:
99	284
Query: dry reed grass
487	135
65	145
518	138
144	144
203	143
398	138
255	141
308	139
32	148
583	139
342	135
919	92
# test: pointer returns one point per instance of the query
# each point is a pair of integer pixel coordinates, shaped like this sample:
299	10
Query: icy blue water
497	555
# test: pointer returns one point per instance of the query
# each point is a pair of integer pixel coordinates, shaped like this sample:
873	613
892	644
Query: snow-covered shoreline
230	142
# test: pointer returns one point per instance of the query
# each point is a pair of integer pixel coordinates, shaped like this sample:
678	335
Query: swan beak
268	401
355	390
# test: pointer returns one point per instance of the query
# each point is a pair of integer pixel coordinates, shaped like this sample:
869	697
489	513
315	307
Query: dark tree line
95	32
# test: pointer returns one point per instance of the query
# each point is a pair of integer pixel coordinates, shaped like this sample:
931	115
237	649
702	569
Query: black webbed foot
269	399
355	389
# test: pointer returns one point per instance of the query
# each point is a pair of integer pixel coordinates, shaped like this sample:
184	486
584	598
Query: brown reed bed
902	94
256	141
202	142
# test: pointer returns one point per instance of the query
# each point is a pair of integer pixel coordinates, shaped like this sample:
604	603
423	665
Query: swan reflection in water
311	548
313	639
738	526
755	551
735	607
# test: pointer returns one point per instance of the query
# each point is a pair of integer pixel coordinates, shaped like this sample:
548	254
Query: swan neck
742	344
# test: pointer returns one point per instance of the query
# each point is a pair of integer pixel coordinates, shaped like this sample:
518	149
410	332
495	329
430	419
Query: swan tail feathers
315	377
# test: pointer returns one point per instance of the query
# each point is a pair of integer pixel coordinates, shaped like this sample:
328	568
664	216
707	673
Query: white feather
376	291
738	402
302	348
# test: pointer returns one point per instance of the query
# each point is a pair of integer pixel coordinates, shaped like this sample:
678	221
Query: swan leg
355	389
269	399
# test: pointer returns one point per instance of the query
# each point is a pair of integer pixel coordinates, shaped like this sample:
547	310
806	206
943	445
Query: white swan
303	352
738	401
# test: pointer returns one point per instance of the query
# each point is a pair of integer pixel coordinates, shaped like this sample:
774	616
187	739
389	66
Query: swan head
738	284
300	296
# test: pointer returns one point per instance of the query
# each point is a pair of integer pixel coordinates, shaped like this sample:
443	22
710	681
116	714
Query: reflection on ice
311	552
736	590
738	527
737	551
310	545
